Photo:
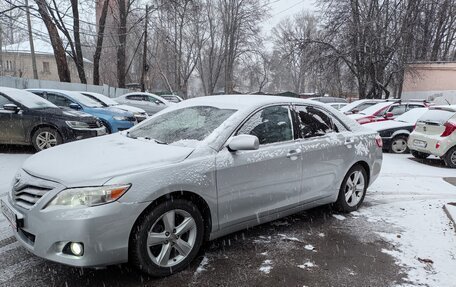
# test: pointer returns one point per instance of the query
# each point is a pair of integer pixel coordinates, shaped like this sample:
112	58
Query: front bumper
70	134
104	231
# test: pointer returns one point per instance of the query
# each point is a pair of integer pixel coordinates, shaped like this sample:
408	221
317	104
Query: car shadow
16	149
437	162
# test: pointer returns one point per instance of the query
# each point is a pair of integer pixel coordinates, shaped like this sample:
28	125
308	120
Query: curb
450	210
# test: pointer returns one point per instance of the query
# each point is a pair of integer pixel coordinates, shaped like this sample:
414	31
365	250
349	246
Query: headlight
120	118
88	196
77	125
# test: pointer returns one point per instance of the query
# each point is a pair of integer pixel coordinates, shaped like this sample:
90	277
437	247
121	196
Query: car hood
112	111
67	113
94	161
386	125
357	116
130	109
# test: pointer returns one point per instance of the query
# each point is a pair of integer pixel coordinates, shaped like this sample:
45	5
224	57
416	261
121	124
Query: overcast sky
281	9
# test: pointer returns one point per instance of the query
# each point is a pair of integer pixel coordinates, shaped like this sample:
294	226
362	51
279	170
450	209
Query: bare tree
99	45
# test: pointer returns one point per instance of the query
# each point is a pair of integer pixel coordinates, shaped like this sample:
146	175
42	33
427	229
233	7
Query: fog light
77	248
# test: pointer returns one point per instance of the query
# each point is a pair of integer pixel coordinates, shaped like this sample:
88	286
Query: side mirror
389	115
75	106
355	111
157	102
11	108
244	142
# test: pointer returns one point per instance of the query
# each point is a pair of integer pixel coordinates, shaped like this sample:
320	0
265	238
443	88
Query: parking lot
401	236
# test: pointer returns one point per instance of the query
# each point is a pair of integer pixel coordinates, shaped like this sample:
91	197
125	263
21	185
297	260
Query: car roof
450	108
239	102
69	93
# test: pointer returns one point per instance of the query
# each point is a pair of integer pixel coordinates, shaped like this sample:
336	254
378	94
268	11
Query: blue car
114	119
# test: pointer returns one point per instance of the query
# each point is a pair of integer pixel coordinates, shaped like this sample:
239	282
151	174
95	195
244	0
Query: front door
11	124
253	184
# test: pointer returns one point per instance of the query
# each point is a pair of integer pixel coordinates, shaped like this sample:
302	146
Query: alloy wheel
453	157
46	140
354	188
171	238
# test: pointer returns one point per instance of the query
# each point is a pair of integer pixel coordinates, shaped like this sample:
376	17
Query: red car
386	111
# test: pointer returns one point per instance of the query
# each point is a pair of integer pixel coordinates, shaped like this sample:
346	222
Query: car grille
28	190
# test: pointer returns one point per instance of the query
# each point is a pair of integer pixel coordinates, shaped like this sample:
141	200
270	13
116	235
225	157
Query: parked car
435	134
337	106
26	119
400	107
149	102
358	106
112	118
329	99
241	161
372	113
172	98
138	113
395	132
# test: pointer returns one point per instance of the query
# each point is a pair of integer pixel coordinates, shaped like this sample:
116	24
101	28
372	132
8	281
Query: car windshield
183	126
30	100
411	116
375	108
84	100
102	99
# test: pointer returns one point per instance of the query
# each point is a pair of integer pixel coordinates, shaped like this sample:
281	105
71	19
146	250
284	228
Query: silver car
197	171
151	103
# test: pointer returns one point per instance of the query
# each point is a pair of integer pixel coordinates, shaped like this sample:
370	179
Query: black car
395	132
27	119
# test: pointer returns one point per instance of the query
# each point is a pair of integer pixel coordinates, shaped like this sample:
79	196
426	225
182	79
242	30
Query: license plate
419	143
9	214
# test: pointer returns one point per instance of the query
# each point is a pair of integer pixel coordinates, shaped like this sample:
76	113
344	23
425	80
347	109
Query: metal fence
22	83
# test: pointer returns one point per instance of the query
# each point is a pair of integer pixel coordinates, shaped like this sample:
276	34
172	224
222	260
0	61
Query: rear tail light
437	145
450	127
414	127
379	141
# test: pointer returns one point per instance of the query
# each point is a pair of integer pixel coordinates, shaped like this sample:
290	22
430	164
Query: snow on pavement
409	196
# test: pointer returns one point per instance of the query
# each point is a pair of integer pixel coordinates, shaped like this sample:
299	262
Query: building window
9	65
46	68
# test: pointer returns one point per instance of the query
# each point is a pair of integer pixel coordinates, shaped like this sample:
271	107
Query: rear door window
397	109
136	97
314	122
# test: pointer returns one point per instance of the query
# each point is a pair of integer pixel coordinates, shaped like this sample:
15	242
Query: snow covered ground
404	208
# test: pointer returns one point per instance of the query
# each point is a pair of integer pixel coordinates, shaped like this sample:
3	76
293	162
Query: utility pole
32	46
1	50
145	67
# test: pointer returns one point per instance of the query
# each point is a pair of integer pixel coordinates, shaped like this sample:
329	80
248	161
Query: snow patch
266	266
339	217
307	265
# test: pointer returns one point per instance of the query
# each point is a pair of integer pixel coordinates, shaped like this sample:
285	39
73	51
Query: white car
435	134
337	106
139	114
151	103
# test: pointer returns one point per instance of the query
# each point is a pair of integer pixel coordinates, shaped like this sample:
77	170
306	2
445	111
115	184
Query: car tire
419	155
148	253
351	195
399	145
46	137
450	157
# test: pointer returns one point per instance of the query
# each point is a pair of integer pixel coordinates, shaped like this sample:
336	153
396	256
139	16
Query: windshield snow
30	100
186	125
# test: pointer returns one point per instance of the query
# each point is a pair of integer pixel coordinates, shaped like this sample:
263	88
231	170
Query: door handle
294	154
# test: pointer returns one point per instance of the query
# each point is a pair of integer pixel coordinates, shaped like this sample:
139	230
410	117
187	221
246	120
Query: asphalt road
315	237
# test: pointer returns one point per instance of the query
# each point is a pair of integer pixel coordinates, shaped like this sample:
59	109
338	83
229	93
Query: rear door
11	123
253	184
327	145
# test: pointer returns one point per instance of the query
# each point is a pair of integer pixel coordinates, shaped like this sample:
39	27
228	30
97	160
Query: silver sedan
196	171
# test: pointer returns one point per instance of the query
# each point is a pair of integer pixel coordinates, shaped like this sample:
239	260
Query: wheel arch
43	125
202	205
366	167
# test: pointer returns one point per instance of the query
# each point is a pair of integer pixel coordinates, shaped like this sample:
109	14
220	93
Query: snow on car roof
411	116
373	109
26	98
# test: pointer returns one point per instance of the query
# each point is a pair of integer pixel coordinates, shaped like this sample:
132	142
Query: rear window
436	116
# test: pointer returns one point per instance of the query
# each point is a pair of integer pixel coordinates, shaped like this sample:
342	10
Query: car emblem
424	128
